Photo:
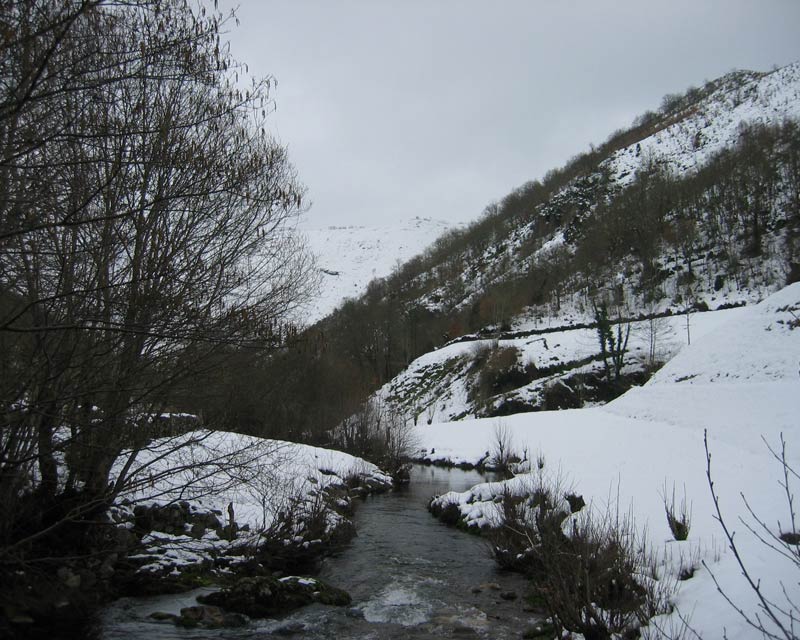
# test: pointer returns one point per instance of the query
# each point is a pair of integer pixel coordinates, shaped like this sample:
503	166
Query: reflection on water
409	577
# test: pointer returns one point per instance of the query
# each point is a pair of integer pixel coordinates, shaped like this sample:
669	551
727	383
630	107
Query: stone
543	630
508	595
266	596
290	629
209	617
162	615
71	580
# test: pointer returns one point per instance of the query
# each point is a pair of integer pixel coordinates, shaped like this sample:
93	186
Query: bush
379	433
503	452
593	574
679	518
499	370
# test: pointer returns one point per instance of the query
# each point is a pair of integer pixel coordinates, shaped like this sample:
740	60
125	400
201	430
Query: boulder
265	596
209	617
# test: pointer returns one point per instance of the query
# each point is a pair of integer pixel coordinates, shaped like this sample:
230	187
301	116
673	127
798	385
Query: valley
575	416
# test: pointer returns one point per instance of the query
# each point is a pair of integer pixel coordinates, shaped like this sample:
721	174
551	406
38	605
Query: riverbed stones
209	617
265	596
205	616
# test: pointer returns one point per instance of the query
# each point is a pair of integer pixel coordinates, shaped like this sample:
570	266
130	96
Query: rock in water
209	617
264	596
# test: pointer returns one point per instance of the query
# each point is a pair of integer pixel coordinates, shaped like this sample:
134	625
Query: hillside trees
143	227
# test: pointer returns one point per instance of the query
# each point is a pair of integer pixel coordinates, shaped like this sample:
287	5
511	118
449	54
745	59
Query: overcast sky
401	108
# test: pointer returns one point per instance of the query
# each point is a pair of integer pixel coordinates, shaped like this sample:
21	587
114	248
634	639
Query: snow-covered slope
534	235
712	125
740	382
349	257
444	385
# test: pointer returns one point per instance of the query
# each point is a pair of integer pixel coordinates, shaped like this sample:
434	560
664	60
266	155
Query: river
410	577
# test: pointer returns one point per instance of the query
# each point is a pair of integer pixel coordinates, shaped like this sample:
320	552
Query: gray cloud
436	108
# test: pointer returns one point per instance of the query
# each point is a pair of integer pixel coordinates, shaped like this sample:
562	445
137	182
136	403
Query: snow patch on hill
349	257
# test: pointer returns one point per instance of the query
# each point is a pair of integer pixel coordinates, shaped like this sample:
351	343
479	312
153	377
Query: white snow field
740	381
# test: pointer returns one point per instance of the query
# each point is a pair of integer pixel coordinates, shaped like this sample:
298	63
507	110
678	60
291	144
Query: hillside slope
349	257
694	207
690	201
694	133
540	368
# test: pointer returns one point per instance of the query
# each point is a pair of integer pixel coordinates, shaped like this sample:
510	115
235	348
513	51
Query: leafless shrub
379	433
679	518
602	578
430	412
592	573
503	448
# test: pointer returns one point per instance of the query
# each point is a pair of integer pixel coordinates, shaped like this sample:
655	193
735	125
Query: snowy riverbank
208	502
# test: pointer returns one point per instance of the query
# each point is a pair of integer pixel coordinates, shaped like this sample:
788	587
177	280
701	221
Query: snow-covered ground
740	381
437	385
350	257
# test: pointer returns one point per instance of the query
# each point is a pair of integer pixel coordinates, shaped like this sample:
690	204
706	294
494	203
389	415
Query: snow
689	143
259	479
437	383
739	381
352	256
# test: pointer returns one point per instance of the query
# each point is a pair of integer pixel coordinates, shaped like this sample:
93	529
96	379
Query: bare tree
145	221
503	447
380	433
655	331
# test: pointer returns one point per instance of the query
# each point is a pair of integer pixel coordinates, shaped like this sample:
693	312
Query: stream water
410	577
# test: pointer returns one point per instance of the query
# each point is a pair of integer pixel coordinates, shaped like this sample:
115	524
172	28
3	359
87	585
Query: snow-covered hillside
537	237
445	384
740	381
714	124
350	256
